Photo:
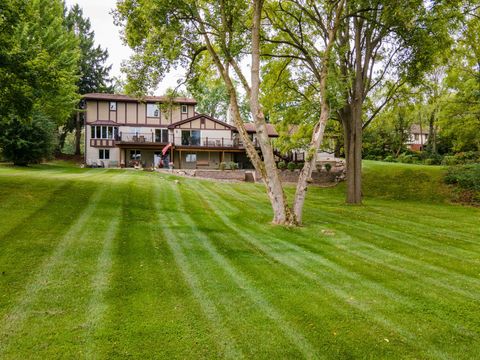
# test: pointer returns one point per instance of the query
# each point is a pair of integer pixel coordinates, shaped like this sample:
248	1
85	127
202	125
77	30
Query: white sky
107	35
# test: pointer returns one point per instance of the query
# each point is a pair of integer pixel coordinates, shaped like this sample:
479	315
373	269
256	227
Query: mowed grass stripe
296	337
325	279
150	313
422	295
15	319
375	241
224	340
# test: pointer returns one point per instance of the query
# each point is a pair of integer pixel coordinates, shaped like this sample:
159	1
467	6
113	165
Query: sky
107	35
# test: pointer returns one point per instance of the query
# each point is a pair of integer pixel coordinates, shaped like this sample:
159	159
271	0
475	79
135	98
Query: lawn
106	264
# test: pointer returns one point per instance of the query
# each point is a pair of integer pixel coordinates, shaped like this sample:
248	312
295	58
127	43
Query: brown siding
121	113
91	110
103	110
142	114
131	113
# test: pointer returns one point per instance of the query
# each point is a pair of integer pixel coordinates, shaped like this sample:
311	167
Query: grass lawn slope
98	263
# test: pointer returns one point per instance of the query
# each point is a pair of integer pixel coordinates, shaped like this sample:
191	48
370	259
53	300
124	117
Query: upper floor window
184	109
104	132
153	110
113	106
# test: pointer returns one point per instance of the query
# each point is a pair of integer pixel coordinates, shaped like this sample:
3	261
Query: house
124	131
418	137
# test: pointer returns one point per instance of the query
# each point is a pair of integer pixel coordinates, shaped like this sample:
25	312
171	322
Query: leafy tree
384	42
39	65
93	71
25	142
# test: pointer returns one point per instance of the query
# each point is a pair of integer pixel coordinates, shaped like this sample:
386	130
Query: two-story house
124	131
418	137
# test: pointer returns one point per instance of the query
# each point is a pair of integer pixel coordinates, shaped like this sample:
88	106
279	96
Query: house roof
199	116
415	129
121	97
250	127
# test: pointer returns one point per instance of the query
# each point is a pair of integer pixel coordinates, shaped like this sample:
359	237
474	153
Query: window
152	110
135	155
190	137
416	137
161	135
191	158
104	154
104	132
113	106
184	109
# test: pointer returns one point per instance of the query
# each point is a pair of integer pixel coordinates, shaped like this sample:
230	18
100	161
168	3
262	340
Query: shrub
222	166
389	158
232	165
465	176
282	165
25	142
406	159
328	167
449	160
299	165
433	159
291	166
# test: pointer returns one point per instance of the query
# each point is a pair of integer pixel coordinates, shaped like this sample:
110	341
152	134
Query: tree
384	41
26	142
93	71
38	78
220	29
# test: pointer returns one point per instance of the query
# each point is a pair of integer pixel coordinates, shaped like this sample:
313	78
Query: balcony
143	138
157	139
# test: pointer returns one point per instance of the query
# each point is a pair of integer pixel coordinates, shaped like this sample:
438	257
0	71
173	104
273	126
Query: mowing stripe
294	336
100	281
296	266
402	257
14	320
224	338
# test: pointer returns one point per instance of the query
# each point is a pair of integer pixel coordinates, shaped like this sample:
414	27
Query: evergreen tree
92	68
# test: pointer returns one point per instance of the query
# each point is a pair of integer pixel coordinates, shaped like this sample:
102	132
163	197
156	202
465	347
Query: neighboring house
126	132
418	137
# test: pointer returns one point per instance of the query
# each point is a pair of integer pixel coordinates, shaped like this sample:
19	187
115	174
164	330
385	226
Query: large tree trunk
281	210
352	126
266	168
78	134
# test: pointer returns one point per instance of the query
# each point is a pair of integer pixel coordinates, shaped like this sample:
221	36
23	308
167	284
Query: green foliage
465	176
328	167
38	73
282	165
291	166
222	166
27	142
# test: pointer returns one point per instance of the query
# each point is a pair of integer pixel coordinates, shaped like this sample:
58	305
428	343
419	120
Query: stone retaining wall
333	176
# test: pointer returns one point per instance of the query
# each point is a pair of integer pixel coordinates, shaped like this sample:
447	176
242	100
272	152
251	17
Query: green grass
99	263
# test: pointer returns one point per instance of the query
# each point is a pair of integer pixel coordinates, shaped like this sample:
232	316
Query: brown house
122	131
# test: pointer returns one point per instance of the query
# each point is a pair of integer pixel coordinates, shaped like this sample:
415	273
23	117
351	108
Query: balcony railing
152	138
142	138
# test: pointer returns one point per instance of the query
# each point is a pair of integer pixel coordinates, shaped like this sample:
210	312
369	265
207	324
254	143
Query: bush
26	142
299	165
291	166
232	165
434	159
406	159
222	166
282	165
390	158
449	160
465	176
328	167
